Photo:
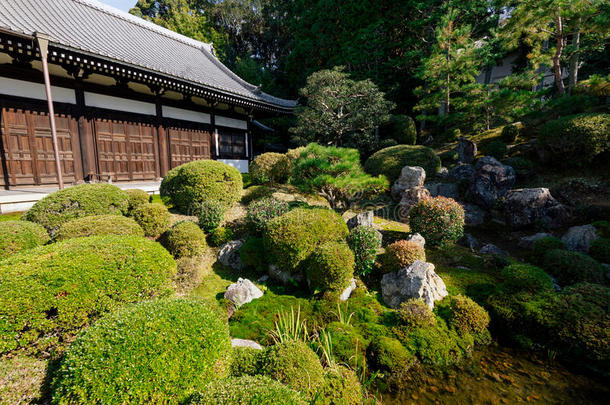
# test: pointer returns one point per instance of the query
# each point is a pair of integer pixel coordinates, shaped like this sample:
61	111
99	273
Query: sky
124	5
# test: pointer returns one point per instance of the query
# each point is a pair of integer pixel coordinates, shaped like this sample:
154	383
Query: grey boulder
474	216
491	181
348	291
532	206
245	343
527	242
228	254
467	150
417	238
449	190
491	249
242	292
361	219
410	197
579	238
416	281
462	171
410	176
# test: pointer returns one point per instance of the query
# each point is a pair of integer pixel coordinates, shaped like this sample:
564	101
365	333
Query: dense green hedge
75	202
135	198
16	236
390	161
541	246
269	168
292	237
330	267
153	352
154	218
185	239
247	390
190	184
439	220
50	292
576	139
99	225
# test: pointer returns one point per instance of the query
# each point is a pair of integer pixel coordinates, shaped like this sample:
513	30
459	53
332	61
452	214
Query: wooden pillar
214	144
164	150
250	144
85	134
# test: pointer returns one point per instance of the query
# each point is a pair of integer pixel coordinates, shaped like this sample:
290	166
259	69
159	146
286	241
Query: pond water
499	375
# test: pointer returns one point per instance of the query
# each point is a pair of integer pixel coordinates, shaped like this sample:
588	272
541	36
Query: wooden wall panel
187	144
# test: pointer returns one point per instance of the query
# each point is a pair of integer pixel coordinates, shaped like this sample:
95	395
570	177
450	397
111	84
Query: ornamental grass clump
16	236
269	167
153	352
439	220
185	239
263	210
154	218
99	225
330	267
364	241
402	254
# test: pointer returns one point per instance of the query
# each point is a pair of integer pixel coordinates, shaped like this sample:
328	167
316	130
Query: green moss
525	277
245	361
390	161
348	345
600	250
16	236
341	386
388	355
572	267
414	313
252	254
543	245
99	225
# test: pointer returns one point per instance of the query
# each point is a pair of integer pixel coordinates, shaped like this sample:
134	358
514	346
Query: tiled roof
93	27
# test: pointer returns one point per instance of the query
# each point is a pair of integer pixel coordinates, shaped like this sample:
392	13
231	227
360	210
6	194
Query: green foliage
400	128
576	139
330	267
336	174
254	193
99	225
401	254
387	143
211	213
245	361
525	277
348	345
341	386
390	161
247	390
600	250
467	316
543	245
603	228
221	235
293	363
16	236
263	210
135	198
572	267
497	149
252	254
154	218
291	238
185	239
414	313
75	202
364	241
523	167
50	292
388	355
439	220
154	352
189	185
269	168
509	133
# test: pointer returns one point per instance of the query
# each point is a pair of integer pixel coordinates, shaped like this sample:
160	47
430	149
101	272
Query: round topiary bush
330	267
388	355
293	363
152	352
572	267
211	213
252	254
509	133
390	161
467	316
401	254
341	386
136	198
576	139
364	241
399	128
263	210
75	202
414	313
387	143
190	184
439	220
99	225
497	149
221	235
16	236
291	238
525	277
154	218
247	390
185	239
600	250
50	292
269	168
245	361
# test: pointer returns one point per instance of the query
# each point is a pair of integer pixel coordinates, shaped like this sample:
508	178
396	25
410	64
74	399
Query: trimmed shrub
543	245
211	213
387	143
576	139
247	390
401	254
245	361
293	363
75	202
525	277
600	250
190	184
99	225
390	161
262	211
572	267
364	241
509	133
152	352
439	345
523	167
292	237
414	313
185	239
154	218
341	386
270	167
16	236
439	220
467	316
497	149
136	198
50	292
400	128
388	355
221	235
252	254
254	193
330	267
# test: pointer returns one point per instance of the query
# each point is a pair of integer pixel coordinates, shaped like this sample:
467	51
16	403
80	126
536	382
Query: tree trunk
557	57
574	62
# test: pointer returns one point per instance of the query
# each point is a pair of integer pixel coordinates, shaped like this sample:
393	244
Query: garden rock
527	242
466	150
474	216
242	292
462	171
362	219
245	343
469	241
411	197
449	190
416	281
532	206
228	254
491	249
348	291
417	238
579	238
410	176
491	181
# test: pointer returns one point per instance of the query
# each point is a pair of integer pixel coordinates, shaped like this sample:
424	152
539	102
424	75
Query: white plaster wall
119	104
230	122
241	165
20	88
185	115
